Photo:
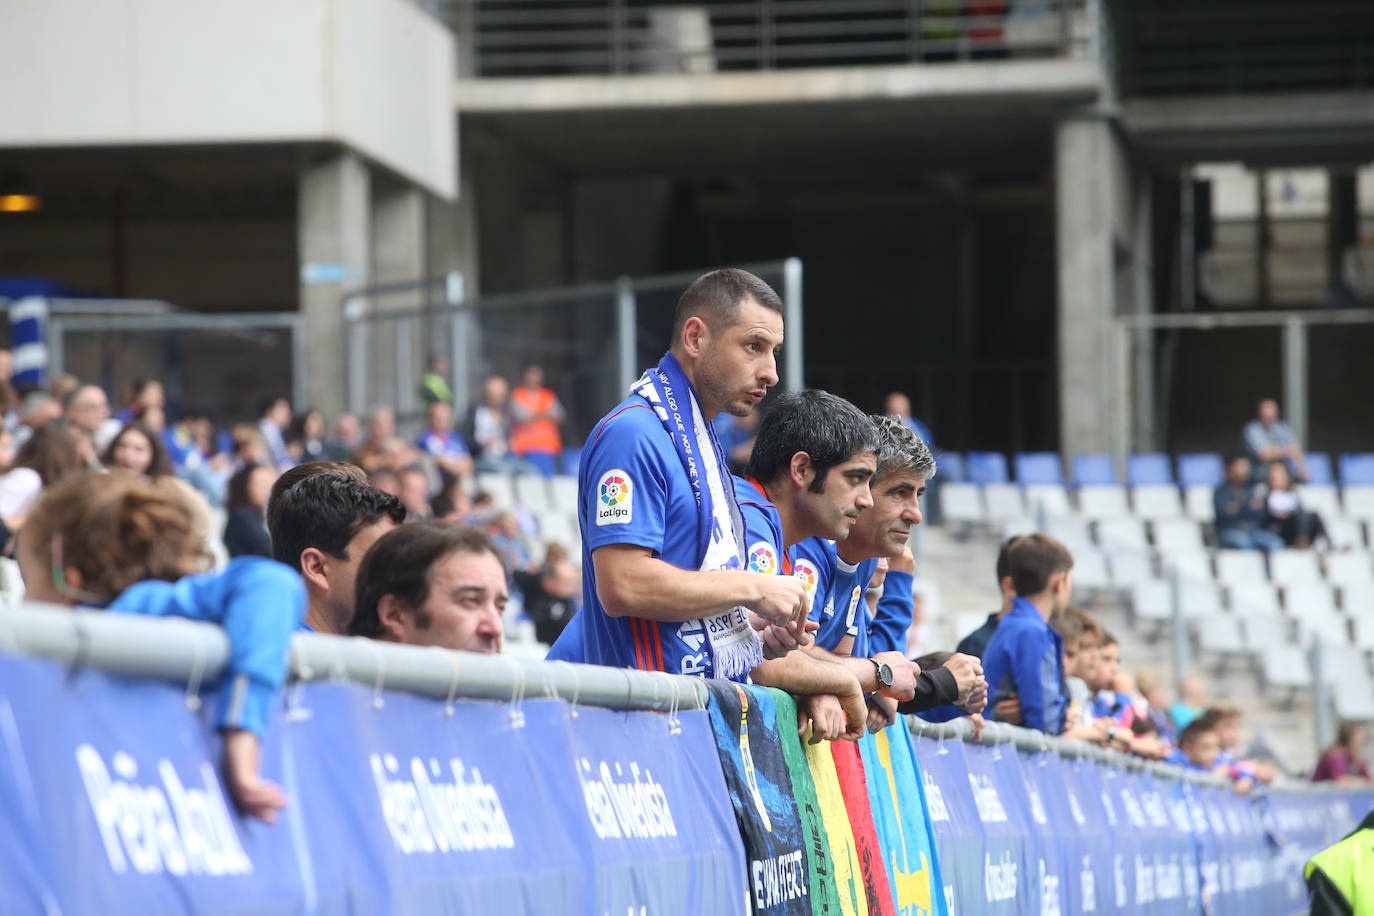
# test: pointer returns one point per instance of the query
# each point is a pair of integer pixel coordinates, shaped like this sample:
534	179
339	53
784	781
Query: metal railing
604	37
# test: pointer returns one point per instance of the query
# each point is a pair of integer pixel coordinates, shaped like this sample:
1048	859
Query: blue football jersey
837	593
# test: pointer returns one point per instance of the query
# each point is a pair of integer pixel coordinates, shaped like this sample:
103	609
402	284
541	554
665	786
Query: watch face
885	674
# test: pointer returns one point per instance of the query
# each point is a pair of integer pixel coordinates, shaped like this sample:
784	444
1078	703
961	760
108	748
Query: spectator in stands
37	409
441	442
451	503
143	393
550	594
1082	638
1225	718
1198	747
381	430
52	453
1154	706
433	584
1240	511
137	448
133	546
1344	761
248	446
305	440
898	407
274	419
1269	439
1284	514
346	438
1026	655
535	418
491	427
323	526
386	480
414	494
62	386
88	410
434	384
1192	701
245	526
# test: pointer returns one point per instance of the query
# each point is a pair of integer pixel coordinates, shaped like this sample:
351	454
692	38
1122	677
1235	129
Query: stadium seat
1309	599
532	492
1319	468
963	502
1359	501
1357	600
1257	599
1049	498
1152	600
499	487
1177	535
1240	567
1200	598
1220	635
1003	501
1354	702
563	492
1294	567
1094	469
951	468
1149	468
1015	527
1090	570
1129	569
1264	632
1345	662
1357	469
1154	500
1038	467
1285	666
1103	501
1122	534
1345	533
1201	469
560	527
1191	564
1198	502
1320	498
1331	629
1350	567
987	467
1363	631
1075	532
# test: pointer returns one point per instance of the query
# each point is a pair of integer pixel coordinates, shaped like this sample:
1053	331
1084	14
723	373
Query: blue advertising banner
1008	844
1048	863
954	816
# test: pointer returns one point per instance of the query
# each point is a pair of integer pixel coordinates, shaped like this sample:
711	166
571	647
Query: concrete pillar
400	345
1146	436
1092	193
334	244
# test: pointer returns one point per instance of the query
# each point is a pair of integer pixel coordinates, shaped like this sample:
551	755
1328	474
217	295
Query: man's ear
396	619
315	569
801	469
695	336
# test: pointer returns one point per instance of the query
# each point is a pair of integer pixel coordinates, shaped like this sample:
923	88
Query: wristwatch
884	672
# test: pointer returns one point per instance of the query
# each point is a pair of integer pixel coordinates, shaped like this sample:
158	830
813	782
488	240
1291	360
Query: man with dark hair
322	527
275	417
1026	655
432	584
292	476
1238	506
664	583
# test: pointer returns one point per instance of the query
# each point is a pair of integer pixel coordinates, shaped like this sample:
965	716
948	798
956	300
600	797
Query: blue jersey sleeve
259	603
887	632
813	562
763	550
625	477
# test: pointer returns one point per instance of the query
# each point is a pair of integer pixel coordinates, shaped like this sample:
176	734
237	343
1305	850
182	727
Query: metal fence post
792	304
1321	703
455	291
626	323
1180	641
357	353
1295	375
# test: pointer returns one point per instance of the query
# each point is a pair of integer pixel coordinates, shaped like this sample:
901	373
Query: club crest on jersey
614	498
762	558
804	571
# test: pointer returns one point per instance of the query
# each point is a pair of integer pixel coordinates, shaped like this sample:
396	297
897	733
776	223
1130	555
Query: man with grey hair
851	629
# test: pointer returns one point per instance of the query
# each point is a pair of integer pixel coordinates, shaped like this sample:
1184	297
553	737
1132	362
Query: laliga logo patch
807	574
615	505
762	559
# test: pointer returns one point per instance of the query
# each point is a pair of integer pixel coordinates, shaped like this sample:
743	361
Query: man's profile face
883	530
90	408
343	573
1238	471
440	416
467	595
844	497
738	364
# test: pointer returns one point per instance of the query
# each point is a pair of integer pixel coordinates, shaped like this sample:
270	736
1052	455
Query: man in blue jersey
665	586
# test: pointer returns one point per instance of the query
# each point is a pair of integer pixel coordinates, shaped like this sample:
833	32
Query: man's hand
978	723
781	600
1008	710
968	674
254	796
855	712
882	712
904	674
823	714
778	641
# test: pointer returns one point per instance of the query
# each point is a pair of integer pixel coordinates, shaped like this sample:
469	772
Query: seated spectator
491	426
898	407
1109	700
1344	761
535	418
323	526
88	410
414	494
382	448
1240	511
1268	439
137	448
1198	747
132	546
509	542
1225	719
451	503
346	439
434	383
1153	705
62	386
1192	701
52	453
245	527
1025	655
143	393
386	480
442	443
432	584
274	419
248	446
550	595
305	439
1284	514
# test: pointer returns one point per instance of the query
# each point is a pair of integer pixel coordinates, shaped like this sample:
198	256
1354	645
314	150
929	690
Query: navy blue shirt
1026	656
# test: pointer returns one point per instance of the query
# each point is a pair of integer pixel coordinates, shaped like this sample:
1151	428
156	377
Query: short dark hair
292	476
716	298
326	511
1074	623
825	426
1003	570
400	563
1032	559
1195	730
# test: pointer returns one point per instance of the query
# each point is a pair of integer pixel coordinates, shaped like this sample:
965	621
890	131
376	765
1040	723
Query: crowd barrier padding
401	803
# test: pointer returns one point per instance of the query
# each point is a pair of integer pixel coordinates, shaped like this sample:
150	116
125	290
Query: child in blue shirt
130	546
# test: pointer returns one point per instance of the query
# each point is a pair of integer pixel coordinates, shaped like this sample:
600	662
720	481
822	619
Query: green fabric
434	388
824	894
1342	871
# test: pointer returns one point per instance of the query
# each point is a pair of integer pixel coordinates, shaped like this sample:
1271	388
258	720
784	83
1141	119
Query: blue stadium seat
1319	468
1149	468
1357	469
1094	469
950	467
987	467
1038	467
1201	469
